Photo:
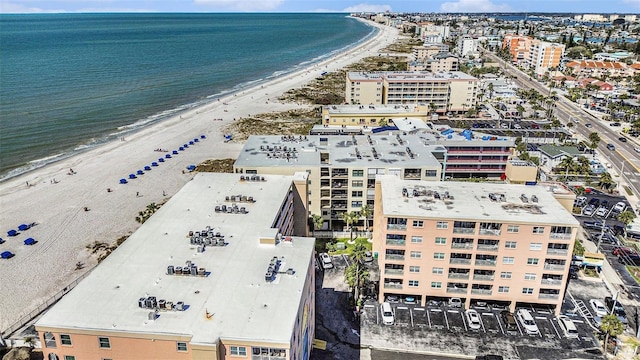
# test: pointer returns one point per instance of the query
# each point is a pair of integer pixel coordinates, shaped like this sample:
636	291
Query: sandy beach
55	198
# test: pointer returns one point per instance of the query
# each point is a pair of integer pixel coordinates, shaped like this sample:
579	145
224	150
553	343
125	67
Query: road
624	158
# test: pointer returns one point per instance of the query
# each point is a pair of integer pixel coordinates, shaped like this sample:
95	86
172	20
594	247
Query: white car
636	149
619	207
326	261
517	126
588	211
455	302
598	308
525	318
602	211
473	318
568	327
387	314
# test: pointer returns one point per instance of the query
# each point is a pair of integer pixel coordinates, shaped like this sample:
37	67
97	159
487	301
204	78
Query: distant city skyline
439	6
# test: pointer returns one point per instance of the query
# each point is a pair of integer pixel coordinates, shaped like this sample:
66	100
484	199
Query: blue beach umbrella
147	167
175	152
23	227
6	255
181	148
191	142
123	181
202	137
30	241
132	176
196	140
154	164
161	159
140	172
12	232
168	156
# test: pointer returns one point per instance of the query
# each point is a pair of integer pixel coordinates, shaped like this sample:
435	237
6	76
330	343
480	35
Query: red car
624	250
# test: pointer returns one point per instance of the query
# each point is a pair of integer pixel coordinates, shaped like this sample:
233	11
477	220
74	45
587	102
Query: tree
356	275
349	219
626	217
490	88
605	181
594	137
366	211
317	222
611	326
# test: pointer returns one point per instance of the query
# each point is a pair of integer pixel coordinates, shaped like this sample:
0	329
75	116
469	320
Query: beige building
371	115
441	62
448	91
506	244
216	273
521	172
544	56
426	51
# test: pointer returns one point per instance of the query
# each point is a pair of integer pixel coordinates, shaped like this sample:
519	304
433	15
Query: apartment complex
467	45
446	91
216	273
428	50
510	244
371	115
441	62
536	54
341	168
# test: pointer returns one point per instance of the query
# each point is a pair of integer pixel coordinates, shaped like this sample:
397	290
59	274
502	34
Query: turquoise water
72	81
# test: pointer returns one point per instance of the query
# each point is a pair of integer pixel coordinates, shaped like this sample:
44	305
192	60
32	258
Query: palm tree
611	327
594	137
490	88
350	218
626	217
366	211
605	180
568	165
357	275
317	221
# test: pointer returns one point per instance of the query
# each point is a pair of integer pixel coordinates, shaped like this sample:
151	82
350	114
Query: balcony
340	174
554	267
548	296
468	246
396	226
561	236
551	281
480	262
394	271
393	285
457	290
557	251
460	261
456	275
396	242
486	247
339	184
493	232
393	257
461	230
483	277
481	291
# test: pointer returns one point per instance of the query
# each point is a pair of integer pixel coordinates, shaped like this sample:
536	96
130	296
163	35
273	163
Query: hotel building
217	273
538	55
371	115
448	91
510	244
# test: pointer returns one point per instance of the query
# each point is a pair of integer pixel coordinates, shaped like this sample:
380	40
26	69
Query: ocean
70	82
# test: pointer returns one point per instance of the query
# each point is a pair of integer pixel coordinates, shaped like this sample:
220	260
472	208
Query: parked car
588	211
529	325
368	257
455	302
580	201
473	318
617	251
387	314
510	324
568	327
594	201
326	261
619	207
602	211
393	298
633	260
598	307
615	124
410	300
489	357
594	225
616	307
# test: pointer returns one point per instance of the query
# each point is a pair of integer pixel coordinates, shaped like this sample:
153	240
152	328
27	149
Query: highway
624	158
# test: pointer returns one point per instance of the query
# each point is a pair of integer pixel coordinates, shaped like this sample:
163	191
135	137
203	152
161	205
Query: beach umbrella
161	159
30	241
140	172
191	167
168	156
175	152
195	140
23	227
12	232
147	167
181	148
191	142
6	255
154	164
123	181
132	176
202	137
1	241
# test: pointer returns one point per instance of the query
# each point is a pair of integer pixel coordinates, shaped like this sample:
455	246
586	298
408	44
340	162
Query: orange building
536	54
496	243
216	273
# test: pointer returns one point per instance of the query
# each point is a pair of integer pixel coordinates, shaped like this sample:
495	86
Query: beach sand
56	201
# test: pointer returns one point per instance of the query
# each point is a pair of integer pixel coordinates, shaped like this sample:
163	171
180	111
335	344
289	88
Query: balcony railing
396	227
560	236
488	247
462	246
551	251
459	230
459	261
457	290
554	267
551	282
481	291
494	232
394	271
396	242
392	286
548	296
483	277
412	176
458	275
485	262
394	257
340	174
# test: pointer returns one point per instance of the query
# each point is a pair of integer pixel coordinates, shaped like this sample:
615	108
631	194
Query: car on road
529	325
568	327
598	307
510	324
455	302
622	139
611	147
636	149
615	124
387	314
588	125
326	261
619	207
473	318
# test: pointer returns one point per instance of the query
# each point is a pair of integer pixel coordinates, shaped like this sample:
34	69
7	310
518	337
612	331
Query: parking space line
446	320
429	319
411	316
555	329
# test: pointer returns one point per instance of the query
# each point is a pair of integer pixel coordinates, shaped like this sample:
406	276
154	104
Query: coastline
56	201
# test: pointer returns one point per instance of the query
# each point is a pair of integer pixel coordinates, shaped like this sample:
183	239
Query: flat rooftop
344	150
233	289
410	75
374	109
472	201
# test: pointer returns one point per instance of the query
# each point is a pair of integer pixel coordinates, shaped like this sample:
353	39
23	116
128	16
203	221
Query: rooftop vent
534	198
524	198
272	269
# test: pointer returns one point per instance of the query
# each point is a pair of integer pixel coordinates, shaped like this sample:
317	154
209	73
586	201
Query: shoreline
72	211
159	117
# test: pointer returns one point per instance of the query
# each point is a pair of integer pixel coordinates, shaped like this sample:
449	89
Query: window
527	291
538	229
357	173
396	223
431	173
69	357
238	351
436	285
65	339
418	223
507	260
535	246
357	183
437	271
442	225
416	239
181	346
104	343
356	193
441	241
505	275
49	340
438	256
510	244
415	254
532	261
356	204
513	229
529	276
414	269
414	283
503	289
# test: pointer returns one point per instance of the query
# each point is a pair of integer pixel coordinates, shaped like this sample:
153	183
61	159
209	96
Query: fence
22	321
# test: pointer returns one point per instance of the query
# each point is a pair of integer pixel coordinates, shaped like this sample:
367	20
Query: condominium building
518	47
441	62
342	169
467	45
507	244
446	91
371	115
216	273
428	50
535	54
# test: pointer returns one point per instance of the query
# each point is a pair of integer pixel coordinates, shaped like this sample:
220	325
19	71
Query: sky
453	6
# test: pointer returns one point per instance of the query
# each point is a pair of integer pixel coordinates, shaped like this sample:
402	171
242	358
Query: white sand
64	228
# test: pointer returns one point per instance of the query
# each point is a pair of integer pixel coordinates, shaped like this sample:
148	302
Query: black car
622	138
616	307
509	321
594	201
633	260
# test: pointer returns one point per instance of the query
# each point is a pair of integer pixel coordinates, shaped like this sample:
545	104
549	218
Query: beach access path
55	197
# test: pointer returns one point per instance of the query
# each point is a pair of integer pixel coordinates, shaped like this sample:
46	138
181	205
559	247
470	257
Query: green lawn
329	245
